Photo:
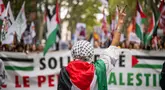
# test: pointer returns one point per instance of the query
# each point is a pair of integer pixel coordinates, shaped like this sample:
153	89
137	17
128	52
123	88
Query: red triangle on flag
134	61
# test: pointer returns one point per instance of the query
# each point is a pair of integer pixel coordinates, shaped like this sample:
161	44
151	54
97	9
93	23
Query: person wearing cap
83	73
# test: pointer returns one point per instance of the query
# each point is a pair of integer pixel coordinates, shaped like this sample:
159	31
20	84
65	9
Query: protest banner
135	69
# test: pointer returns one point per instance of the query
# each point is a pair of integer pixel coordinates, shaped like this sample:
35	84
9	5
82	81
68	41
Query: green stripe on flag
148	66
144	21
1	22
139	32
13	68
101	74
51	39
147	38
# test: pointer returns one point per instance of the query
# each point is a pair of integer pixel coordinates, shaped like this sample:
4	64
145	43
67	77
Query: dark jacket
162	80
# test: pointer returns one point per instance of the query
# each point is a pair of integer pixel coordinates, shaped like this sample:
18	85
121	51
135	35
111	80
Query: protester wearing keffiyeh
83	73
2	73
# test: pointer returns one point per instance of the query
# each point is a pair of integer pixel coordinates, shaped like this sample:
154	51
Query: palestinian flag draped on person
53	28
85	73
74	76
140	18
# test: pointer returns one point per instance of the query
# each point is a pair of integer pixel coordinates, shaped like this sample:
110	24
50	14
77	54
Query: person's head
10	48
33	47
70	45
40	48
136	46
82	50
96	44
130	46
3	48
159	42
123	45
20	48
27	47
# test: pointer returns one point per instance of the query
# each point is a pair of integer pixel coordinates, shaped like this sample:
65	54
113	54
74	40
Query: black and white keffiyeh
82	50
3	75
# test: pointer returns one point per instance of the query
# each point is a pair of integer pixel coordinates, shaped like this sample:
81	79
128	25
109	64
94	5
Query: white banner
135	70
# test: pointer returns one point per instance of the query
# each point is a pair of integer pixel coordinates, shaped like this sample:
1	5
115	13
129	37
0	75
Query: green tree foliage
30	6
81	11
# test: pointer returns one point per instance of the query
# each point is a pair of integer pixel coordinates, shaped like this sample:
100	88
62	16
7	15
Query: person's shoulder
163	68
1	62
111	49
164	64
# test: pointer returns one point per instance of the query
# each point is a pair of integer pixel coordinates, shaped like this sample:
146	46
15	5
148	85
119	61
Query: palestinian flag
18	64
150	62
140	18
131	35
151	30
162	16
2	9
7	29
53	29
20	23
161	5
80	75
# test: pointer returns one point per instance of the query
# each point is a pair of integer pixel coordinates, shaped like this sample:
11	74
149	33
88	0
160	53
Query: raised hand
121	16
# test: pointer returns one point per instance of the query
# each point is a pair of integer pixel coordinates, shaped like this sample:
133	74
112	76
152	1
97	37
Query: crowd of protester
21	47
67	45
159	44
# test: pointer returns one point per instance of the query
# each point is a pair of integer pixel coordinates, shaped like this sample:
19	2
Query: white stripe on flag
19	64
146	61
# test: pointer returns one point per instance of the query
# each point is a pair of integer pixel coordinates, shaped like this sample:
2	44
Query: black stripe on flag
150	57
30	60
64	82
